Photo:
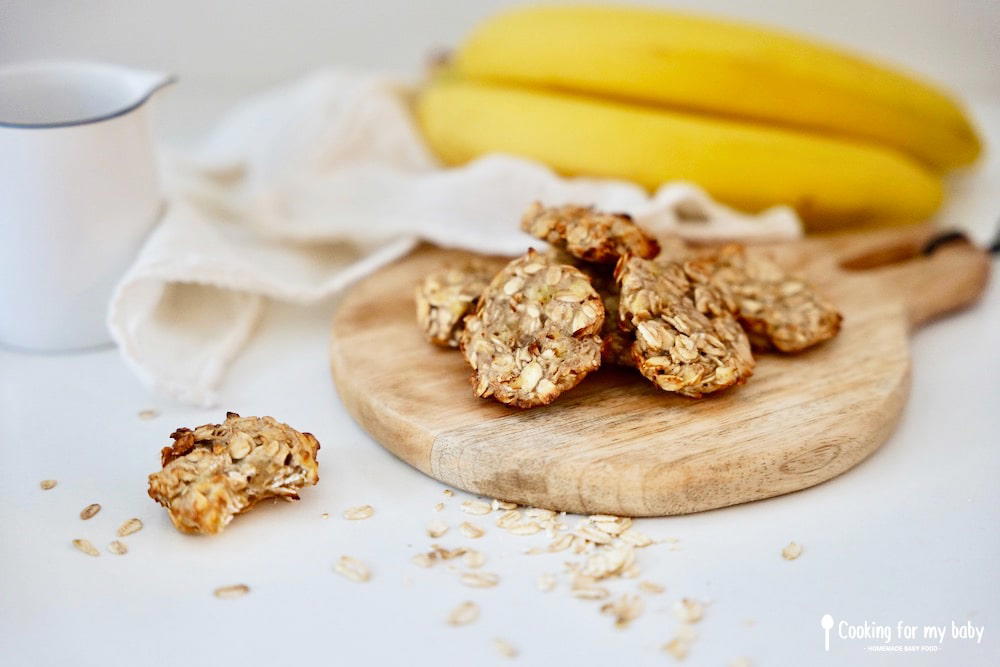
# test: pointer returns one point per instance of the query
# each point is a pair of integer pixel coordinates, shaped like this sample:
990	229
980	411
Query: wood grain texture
618	445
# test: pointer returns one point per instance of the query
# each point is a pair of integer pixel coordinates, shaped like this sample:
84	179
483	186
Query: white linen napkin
304	189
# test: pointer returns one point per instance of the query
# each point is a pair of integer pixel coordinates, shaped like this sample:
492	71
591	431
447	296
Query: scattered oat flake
324	515
471	531
625	610
439	507
129	526
86	547
231	592
47	484
437	528
677	648
792	551
651	587
688	610
448	554
509	518
424	559
536	513
546	583
561	543
463	614
591	593
448	492
503	505
474	559
477	507
358	513
527	528
146	415
352	569
635	538
681	643
480	579
89	511
118	548
505	648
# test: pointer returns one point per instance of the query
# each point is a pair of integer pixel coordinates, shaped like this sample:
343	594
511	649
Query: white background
909	535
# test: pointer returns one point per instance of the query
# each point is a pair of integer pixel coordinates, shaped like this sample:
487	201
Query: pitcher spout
145	83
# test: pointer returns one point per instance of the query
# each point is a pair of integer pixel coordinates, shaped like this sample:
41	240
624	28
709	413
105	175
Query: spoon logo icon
827	623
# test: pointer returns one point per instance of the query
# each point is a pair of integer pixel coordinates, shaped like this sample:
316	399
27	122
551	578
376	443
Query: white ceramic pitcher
78	194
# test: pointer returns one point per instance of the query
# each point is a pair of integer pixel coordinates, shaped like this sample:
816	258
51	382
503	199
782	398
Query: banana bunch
754	116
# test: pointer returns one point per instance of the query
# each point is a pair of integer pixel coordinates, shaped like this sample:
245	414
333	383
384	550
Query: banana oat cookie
446	296
778	311
616	343
687	338
587	233
216	471
534	333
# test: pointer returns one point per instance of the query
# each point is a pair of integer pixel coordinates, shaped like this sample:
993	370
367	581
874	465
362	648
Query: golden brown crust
687	338
446	296
777	310
587	233
216	471
533	335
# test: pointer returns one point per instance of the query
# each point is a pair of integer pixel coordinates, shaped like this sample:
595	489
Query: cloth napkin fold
304	189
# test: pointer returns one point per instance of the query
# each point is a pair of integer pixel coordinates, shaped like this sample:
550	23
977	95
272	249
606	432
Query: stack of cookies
606	294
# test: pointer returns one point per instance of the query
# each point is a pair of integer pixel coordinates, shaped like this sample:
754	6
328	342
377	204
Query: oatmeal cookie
535	332
687	338
216	471
446	296
587	233
616	343
778	311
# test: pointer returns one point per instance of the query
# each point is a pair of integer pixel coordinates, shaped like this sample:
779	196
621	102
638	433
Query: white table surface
909	535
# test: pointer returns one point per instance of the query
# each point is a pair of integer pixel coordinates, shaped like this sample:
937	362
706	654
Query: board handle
931	272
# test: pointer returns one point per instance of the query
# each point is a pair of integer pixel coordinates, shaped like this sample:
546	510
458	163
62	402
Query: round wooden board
616	444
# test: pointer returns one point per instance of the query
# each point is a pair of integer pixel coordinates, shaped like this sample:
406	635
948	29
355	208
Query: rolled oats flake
624	610
463	614
231	592
470	530
477	507
473	559
129	526
437	528
86	547
792	551
352	569
526	528
504	648
358	513
688	610
651	587
479	579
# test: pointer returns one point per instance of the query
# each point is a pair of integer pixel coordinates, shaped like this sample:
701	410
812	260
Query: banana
722	68
831	182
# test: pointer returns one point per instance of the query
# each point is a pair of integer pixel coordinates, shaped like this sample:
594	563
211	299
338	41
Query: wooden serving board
617	445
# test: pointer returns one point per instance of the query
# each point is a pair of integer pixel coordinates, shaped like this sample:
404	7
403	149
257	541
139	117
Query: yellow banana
831	182
718	67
